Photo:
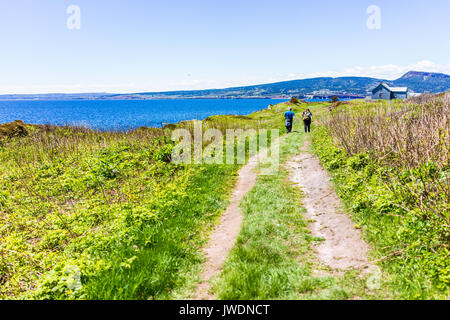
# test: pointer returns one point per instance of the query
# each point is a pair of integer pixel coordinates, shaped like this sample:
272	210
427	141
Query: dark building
383	91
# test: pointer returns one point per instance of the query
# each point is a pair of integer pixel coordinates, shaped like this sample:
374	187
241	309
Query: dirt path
225	234
342	248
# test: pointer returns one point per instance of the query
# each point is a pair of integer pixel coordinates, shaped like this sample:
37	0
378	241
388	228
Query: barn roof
392	89
399	89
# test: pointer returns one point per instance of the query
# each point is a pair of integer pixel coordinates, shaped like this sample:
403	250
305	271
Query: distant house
383	91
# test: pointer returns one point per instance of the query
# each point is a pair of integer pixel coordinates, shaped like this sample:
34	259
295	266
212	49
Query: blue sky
152	45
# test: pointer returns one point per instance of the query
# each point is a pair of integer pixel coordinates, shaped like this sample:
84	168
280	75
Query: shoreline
201	115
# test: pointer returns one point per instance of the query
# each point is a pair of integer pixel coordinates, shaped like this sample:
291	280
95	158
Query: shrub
294	100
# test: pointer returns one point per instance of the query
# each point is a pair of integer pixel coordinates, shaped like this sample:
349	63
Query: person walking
307	119
289	117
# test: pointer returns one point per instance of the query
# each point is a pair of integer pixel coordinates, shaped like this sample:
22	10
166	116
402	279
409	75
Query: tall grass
402	135
390	164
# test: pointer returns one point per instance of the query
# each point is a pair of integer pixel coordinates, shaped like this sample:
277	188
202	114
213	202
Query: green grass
117	222
105	215
91	215
168	253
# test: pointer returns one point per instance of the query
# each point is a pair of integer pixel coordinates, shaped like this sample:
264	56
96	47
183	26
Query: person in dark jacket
289	117
307	119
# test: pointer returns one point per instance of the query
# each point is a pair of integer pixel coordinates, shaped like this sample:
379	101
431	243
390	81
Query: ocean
124	114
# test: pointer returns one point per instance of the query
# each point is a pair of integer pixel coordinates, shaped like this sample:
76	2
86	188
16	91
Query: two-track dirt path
342	247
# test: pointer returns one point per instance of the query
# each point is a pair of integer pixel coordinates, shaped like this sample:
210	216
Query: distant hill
424	81
324	87
419	82
316	86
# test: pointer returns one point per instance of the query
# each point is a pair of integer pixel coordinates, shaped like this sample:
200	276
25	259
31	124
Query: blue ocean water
124	114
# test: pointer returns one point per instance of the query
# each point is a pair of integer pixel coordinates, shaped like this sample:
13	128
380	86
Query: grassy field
108	215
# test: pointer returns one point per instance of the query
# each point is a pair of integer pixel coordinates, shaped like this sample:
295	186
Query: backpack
306	116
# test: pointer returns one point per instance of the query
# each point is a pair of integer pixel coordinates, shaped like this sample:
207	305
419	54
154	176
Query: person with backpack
307	119
289	116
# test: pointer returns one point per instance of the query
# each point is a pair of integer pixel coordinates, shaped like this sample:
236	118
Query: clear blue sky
150	45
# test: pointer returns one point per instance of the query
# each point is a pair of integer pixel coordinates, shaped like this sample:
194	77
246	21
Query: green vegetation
79	205
106	215
389	162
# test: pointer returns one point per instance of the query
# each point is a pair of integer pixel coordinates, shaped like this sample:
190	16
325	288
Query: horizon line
206	89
